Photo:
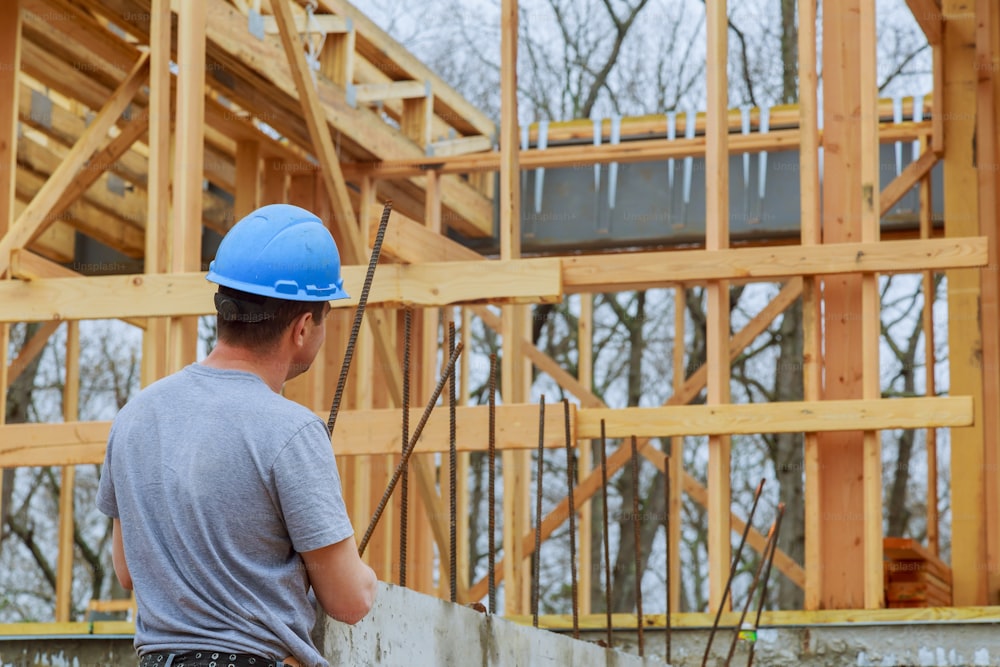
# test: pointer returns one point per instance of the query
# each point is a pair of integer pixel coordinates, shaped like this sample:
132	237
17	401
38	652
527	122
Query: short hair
257	322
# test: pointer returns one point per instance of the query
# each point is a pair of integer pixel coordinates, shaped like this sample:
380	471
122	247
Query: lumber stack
914	577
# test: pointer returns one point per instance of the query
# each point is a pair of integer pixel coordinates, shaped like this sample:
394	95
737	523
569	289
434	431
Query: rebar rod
604	534
768	546
535	555
404	491
767	578
570	483
638	544
666	526
732	572
492	479
359	314
452	472
449	369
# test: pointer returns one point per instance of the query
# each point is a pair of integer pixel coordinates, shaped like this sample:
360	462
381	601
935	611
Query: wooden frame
433	167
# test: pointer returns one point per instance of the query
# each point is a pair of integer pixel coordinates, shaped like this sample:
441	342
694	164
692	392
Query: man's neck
268	367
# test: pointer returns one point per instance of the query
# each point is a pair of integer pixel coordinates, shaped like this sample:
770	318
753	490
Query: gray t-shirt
219	484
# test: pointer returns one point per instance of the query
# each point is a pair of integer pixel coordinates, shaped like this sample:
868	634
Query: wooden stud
871	322
987	154
247	178
585	525
812	344
10	66
275	182
154	348
840	455
961	213
676	472
416	121
930	364
717	296
71	410
337	57
189	144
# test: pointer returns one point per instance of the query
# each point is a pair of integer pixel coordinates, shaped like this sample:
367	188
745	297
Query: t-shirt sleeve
308	489
107	502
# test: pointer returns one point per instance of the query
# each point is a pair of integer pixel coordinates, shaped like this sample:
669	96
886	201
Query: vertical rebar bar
638	544
417	432
535	556
452	468
767	578
359	314
666	525
492	481
404	491
571	483
732	572
604	534
768	546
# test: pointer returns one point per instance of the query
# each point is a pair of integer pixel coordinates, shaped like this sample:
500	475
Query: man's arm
344	585
118	556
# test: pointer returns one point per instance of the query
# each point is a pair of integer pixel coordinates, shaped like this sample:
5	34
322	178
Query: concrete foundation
411	629
408	629
923	644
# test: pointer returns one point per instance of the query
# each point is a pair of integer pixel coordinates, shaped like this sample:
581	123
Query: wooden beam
910	177
247	178
659	269
31	349
188	293
322	23
33	219
987	154
154	339
10	67
375	431
929	18
812	321
366	93
189	160
717	298
319	132
638	150
965	337
67	521
783	417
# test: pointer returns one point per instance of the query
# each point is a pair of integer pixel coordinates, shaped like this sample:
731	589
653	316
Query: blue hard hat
280	251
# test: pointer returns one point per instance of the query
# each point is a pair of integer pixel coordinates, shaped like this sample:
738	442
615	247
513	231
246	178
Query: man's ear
299	326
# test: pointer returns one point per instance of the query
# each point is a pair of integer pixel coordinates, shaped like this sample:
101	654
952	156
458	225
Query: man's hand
344	585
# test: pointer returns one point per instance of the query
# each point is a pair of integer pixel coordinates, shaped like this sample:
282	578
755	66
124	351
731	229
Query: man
225	496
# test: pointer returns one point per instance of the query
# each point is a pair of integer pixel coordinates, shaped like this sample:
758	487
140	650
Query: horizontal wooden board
790	417
907	553
145	295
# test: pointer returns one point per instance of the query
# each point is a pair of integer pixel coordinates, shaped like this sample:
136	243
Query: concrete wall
414	630
924	644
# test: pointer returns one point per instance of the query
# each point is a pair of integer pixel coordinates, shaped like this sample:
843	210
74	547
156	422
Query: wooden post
247	178
154	338
871	323
71	412
987	62
514	373
10	66
930	362
585	525
717	296
676	472
812	326
337	57
965	339
188	170
840	460
274	189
